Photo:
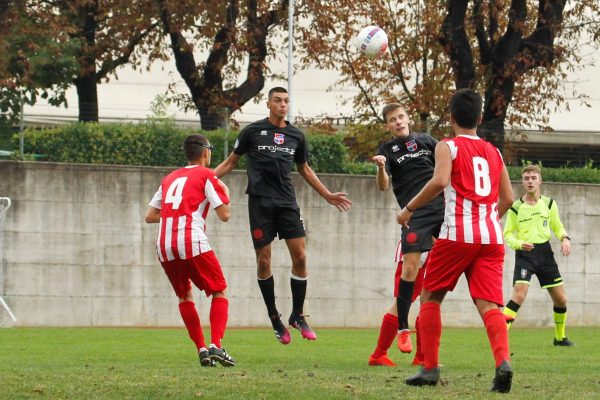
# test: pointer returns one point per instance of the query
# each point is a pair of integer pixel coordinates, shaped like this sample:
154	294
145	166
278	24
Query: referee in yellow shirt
527	230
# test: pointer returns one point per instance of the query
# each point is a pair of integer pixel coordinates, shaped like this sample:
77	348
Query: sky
131	95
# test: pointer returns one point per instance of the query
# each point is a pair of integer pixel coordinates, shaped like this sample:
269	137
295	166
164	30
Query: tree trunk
509	55
498	96
87	93
206	84
493	131
212	118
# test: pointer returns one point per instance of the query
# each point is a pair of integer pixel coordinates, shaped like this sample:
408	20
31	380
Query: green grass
107	363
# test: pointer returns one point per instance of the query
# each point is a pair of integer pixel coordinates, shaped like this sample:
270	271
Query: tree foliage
518	53
415	71
111	33
54	44
34	63
231	39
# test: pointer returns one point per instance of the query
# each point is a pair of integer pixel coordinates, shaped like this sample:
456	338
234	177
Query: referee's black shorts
540	262
270	217
424	224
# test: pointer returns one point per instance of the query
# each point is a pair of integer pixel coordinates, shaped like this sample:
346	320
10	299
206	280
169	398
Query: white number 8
481	170
174	192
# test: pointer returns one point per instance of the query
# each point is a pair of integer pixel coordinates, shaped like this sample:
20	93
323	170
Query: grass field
107	363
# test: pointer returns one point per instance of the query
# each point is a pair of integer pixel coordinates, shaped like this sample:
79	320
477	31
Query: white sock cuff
298	278
269	277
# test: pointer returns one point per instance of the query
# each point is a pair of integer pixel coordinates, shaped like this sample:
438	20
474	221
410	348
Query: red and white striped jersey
183	199
471	214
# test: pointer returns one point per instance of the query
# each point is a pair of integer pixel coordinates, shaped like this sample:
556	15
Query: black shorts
539	261
271	217
424	224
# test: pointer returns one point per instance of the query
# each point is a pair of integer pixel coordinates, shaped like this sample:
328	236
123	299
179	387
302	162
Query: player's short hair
532	168
465	108
388	108
276	89
194	146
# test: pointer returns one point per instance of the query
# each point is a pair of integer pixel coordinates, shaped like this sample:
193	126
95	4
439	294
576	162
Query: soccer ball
372	41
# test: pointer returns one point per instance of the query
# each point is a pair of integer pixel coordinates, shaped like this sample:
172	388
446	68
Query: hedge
158	143
574	175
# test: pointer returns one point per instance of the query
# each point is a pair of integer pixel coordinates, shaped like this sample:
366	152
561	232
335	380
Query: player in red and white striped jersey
180	206
477	193
471	198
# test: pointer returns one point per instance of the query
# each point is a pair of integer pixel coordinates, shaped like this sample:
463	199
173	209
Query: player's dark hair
388	108
465	108
194	146
276	89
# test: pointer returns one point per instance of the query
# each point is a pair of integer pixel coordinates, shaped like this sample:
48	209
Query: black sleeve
381	151
430	141
433	140
243	141
301	154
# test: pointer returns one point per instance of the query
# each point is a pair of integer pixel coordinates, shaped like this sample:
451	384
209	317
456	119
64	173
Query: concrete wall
76	252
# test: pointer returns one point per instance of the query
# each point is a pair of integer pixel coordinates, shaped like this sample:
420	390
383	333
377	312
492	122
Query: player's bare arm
505	195
152	215
227	165
437	183
338	199
223	212
224	187
383	180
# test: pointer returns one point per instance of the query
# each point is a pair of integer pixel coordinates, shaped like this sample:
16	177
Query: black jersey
271	153
410	162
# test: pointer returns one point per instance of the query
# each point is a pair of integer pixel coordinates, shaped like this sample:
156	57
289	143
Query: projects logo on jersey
411	145
279	138
408	156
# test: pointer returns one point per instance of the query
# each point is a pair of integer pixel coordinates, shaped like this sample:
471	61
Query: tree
415	71
111	33
53	44
37	59
6	18
518	49
227	34
515	56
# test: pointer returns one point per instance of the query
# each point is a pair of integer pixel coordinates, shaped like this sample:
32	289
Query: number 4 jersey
183	198
471	198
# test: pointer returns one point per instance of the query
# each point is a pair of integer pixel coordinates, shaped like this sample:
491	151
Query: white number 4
174	192
481	170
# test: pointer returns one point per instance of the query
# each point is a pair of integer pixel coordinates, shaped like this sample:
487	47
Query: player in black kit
409	159
272	145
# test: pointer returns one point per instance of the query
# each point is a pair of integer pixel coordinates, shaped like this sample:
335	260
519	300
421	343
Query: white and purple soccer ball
372	41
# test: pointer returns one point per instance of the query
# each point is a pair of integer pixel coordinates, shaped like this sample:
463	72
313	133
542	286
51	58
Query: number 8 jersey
183	198
471	198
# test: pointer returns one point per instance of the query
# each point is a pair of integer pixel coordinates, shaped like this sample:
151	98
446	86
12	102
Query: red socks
192	323
387	334
495	324
418	352
430	322
218	319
